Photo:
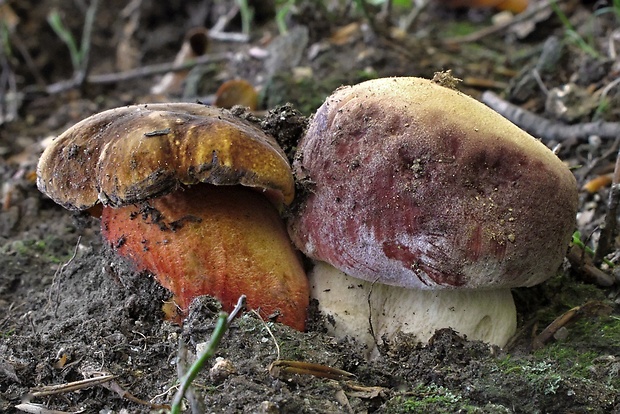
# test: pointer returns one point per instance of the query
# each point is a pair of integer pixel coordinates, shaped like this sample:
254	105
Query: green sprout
79	55
247	14
223	321
571	33
283	9
614	8
54	20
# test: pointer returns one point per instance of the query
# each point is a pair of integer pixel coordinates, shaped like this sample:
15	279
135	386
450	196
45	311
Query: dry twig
41	409
608	231
282	367
104	379
54	287
488	31
128	75
70	386
545	129
126	395
589	309
589	272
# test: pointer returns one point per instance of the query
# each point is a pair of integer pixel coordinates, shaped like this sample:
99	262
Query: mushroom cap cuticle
124	155
439	180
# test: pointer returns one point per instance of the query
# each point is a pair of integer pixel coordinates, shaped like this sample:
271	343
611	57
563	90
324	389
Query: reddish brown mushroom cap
125	155
417	185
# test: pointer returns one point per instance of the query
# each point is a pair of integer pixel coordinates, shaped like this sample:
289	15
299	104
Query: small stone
268	407
221	370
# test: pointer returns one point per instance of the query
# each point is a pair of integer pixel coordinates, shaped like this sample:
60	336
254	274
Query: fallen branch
488	31
544	128
141	72
579	257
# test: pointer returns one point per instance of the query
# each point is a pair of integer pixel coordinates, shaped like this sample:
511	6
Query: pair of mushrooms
421	209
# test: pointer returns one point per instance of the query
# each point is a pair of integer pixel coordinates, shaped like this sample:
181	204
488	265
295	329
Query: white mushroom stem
351	305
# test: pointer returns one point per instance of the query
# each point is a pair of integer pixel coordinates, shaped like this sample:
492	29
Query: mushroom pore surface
219	240
413	184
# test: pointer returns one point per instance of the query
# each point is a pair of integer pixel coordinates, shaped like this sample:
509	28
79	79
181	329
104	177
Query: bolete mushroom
433	205
190	193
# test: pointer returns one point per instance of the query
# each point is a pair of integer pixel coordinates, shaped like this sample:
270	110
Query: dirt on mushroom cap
430	189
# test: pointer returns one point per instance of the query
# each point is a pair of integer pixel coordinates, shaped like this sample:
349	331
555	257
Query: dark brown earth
69	309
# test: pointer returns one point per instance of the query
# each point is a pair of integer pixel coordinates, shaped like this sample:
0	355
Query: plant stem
247	15
223	321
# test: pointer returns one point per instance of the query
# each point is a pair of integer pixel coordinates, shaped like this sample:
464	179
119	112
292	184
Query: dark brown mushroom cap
126	155
417	185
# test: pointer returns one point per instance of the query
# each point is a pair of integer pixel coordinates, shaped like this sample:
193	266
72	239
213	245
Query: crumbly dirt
70	309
